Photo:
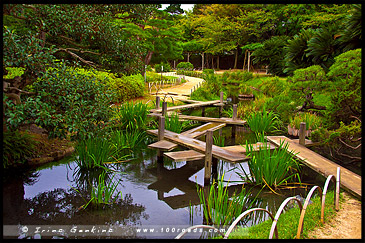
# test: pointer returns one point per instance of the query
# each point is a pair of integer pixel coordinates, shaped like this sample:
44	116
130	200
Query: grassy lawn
288	222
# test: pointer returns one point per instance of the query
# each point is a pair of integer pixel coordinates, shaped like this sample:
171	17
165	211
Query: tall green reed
263	122
131	116
95	152
103	192
273	168
219	208
173	124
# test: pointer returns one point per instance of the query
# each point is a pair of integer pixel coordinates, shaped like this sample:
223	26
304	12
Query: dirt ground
346	224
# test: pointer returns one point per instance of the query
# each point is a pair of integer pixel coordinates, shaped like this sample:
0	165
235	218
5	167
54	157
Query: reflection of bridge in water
168	179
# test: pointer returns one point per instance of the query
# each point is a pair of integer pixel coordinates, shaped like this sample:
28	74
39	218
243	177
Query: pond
159	198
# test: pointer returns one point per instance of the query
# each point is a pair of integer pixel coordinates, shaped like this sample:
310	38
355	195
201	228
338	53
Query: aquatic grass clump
131	116
103	192
312	121
121	139
219	208
94	152
276	168
173	124
263	122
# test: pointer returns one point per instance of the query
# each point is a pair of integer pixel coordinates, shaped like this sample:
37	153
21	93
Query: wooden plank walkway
350	181
188	106
190	155
199	146
193	133
186	155
228	121
242	149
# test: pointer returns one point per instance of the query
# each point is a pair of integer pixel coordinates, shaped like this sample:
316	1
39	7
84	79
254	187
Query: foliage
166	67
204	93
296	52
263	122
312	121
324	46
103	193
343	143
173	124
236	77
306	82
127	87
219	140
124	141
351	37
26	52
18	147
185	66
67	103
271	54
218	207
273	86
95	152
270	168
345	83
123	87
288	223
131	116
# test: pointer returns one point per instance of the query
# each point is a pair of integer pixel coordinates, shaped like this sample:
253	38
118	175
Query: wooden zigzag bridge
198	150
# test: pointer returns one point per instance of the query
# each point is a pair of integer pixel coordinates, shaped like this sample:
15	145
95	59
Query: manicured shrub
345	80
66	102
166	67
186	66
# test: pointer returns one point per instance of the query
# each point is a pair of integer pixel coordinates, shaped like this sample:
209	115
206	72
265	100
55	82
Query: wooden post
157	102
221	96
302	133
234	117
208	156
337	198
234	114
161	133
164	108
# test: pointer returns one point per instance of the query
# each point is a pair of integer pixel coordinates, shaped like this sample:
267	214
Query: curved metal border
197	226
338	177
329	178
301	219
244	214
277	215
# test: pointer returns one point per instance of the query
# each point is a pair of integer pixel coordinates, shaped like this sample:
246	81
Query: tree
324	46
271	53
305	83
296	52
82	32
351	35
345	78
154	32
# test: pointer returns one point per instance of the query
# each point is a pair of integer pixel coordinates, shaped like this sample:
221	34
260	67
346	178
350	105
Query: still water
159	198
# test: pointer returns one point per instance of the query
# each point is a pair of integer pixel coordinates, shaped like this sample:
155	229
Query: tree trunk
148	57
188	57
244	61
202	61
212	62
249	60
235	58
218	62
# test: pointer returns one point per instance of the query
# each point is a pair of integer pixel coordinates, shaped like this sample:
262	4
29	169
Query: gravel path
346	224
182	91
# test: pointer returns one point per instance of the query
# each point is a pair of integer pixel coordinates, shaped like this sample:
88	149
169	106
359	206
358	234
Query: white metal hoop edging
281	208
244	214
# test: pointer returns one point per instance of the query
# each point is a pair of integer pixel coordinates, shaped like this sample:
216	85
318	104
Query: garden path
180	92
